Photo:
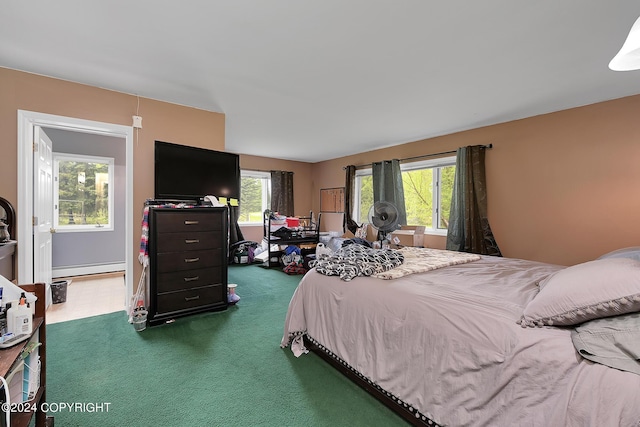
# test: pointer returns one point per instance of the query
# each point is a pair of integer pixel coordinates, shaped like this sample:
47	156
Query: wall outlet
137	122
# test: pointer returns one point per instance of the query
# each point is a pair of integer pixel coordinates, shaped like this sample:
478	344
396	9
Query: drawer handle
192	240
191	279
191	259
191	222
192	298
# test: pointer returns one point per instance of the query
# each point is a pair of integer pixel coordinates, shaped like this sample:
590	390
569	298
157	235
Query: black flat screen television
190	173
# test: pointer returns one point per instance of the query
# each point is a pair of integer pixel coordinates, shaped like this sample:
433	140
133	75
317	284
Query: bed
481	342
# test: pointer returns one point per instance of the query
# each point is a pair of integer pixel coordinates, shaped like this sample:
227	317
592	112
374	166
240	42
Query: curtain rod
262	170
422	156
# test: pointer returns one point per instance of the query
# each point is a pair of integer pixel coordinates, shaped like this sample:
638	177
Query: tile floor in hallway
89	296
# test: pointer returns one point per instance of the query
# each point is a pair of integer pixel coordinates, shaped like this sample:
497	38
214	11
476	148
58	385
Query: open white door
35	174
42	208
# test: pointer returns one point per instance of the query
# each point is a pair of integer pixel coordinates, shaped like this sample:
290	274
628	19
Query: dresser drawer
188	241
191	298
179	220
181	280
189	260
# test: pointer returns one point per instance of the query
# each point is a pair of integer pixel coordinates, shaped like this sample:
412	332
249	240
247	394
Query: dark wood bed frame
411	415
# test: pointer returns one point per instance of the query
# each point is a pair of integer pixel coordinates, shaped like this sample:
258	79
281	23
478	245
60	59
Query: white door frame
27	120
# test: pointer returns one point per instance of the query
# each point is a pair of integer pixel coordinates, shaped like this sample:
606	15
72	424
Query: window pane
447	175
428	188
251	199
366	197
83	193
418	196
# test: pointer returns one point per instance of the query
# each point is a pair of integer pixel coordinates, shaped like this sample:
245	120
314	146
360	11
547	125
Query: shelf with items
278	236
12	357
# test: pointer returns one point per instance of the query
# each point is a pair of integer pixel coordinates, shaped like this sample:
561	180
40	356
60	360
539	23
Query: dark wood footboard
410	414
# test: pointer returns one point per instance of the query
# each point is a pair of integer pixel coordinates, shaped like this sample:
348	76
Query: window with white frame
255	196
428	186
83	195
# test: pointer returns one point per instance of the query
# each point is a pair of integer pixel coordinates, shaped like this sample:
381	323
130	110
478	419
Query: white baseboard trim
91	269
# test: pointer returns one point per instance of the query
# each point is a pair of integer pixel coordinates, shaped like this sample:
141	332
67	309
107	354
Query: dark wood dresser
187	262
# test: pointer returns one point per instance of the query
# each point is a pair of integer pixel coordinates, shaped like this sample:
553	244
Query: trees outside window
83	199
428	186
255	196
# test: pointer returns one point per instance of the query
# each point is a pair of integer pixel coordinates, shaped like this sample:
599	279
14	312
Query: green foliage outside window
447	175
251	198
418	195
83	193
366	198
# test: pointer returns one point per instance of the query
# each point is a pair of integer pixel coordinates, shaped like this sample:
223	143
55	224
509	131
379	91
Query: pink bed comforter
447	343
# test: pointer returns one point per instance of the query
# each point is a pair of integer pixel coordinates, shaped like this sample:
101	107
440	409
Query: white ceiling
312	80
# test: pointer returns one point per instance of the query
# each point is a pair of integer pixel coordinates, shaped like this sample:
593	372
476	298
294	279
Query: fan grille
384	216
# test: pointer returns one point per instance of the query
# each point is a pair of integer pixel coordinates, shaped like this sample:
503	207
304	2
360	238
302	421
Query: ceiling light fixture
629	56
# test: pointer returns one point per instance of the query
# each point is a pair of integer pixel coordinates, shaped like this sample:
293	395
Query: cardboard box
408	235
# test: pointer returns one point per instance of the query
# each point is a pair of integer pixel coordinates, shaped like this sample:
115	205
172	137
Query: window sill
435	232
82	229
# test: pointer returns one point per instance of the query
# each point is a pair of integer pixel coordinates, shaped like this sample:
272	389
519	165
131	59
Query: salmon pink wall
562	187
161	120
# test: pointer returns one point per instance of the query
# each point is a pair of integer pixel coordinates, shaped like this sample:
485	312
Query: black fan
383	216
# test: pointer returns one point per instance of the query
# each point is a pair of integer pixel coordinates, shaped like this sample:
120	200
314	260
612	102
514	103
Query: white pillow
594	289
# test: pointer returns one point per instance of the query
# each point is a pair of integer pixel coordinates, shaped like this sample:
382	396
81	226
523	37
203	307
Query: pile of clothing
353	260
293	260
242	252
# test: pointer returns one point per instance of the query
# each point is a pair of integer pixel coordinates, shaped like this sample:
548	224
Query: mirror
8	216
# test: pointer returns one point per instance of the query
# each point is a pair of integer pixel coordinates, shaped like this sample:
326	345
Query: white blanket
420	260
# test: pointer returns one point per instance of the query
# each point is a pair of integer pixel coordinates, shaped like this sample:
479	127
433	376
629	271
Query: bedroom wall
562	187
161	120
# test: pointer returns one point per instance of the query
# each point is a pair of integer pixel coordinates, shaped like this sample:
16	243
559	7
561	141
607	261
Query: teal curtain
387	186
469	229
455	229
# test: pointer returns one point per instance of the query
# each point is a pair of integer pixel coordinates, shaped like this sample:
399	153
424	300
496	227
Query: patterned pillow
594	289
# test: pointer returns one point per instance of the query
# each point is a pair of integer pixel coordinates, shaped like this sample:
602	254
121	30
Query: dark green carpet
212	369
